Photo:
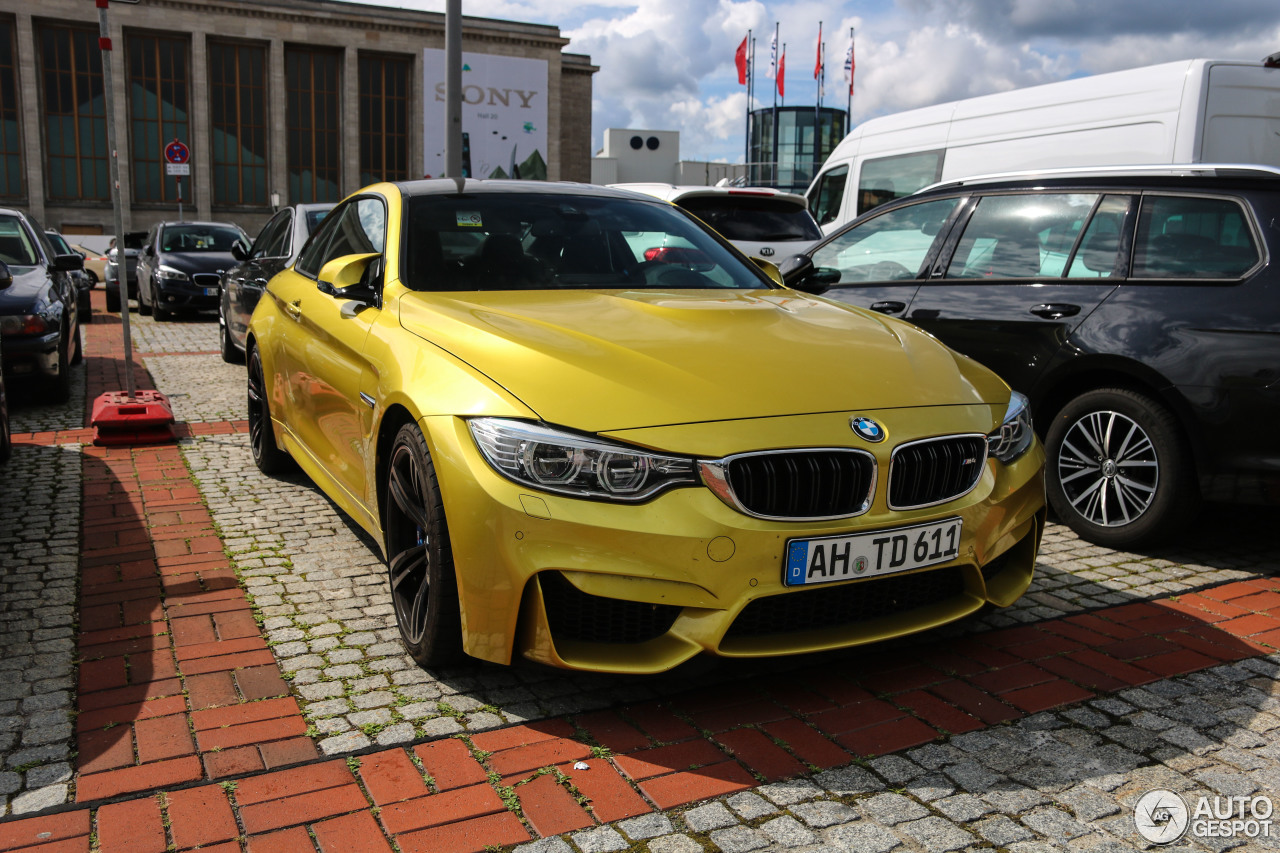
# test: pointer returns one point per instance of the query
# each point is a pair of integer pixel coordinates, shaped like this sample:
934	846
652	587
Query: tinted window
271	243
1099	249
16	247
890	246
357	228
1021	236
1182	237
828	194
887	178
743	217
540	242
199	238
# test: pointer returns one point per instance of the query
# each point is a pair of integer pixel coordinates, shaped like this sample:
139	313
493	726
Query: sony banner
504	115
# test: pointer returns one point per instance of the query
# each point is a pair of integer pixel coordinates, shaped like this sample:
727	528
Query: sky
668	64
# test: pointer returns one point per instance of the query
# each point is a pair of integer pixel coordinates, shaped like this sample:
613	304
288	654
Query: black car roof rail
1238	170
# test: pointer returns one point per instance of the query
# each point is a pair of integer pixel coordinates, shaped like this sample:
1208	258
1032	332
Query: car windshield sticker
469	219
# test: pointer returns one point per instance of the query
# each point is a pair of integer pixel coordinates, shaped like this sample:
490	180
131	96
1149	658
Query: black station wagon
1137	308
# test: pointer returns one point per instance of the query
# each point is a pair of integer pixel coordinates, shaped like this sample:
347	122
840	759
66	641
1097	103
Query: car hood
198	262
605	360
29	284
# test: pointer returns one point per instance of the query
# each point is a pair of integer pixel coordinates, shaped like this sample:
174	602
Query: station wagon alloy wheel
1119	474
1108	468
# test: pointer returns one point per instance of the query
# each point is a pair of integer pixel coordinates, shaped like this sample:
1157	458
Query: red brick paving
178	690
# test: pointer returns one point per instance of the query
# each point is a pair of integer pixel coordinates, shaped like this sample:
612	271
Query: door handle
890	307
1056	310
294	308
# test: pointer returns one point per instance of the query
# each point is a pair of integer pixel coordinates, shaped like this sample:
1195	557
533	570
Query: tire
144	307
424	590
269	458
77	351
59	389
230	354
1118	472
160	312
113	297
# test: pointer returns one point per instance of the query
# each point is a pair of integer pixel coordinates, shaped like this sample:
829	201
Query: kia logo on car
766	252
867	429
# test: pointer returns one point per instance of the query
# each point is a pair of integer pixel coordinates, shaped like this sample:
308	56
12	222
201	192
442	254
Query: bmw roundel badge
867	429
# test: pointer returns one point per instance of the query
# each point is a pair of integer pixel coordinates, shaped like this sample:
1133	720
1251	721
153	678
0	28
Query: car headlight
1015	434
575	465
172	274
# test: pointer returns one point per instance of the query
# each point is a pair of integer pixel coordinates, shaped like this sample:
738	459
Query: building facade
278	101
790	144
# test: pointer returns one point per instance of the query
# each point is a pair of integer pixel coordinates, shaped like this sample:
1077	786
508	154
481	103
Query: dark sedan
39	320
180	266
277	244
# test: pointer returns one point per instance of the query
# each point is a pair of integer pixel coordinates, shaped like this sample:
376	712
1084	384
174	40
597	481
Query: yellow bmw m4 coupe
587	431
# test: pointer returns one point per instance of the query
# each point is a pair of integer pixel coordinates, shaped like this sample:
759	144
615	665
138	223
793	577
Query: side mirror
68	263
239	251
798	272
352	277
770	269
6	277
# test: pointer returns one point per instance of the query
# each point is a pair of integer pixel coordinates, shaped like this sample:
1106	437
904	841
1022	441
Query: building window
311	86
238	113
384	119
75	114
157	113
10	133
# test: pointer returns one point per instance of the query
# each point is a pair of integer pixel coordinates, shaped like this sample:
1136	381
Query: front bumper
188	295
642	588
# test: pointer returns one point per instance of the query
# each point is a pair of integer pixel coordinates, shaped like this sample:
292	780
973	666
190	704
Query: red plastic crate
143	419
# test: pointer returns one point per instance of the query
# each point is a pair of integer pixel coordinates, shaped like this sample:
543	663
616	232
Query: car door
881	259
247	282
1020	273
323	347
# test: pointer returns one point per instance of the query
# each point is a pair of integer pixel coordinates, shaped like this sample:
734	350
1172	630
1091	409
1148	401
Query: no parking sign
177	158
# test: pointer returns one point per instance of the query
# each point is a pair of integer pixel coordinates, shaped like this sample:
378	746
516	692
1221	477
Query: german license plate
211	291
880	552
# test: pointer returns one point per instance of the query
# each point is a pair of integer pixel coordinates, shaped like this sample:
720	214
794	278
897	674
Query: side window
270	242
827	194
888	247
1183	237
1021	236
887	178
1099	249
357	228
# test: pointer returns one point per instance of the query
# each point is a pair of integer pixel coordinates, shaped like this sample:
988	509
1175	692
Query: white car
760	221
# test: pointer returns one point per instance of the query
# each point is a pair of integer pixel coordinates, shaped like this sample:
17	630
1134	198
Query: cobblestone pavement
39	547
1062	780
1065	776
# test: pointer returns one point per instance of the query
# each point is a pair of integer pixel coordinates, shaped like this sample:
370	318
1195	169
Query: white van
1193	111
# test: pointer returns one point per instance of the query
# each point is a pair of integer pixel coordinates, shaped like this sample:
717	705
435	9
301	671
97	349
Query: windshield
525	241
199	238
15	246
756	219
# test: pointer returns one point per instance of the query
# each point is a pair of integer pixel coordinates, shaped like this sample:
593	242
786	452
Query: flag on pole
849	65
773	55
740	60
782	73
817	66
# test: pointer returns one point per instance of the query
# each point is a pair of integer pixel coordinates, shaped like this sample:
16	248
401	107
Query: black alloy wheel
1118	473
158	309
113	297
424	589
269	458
